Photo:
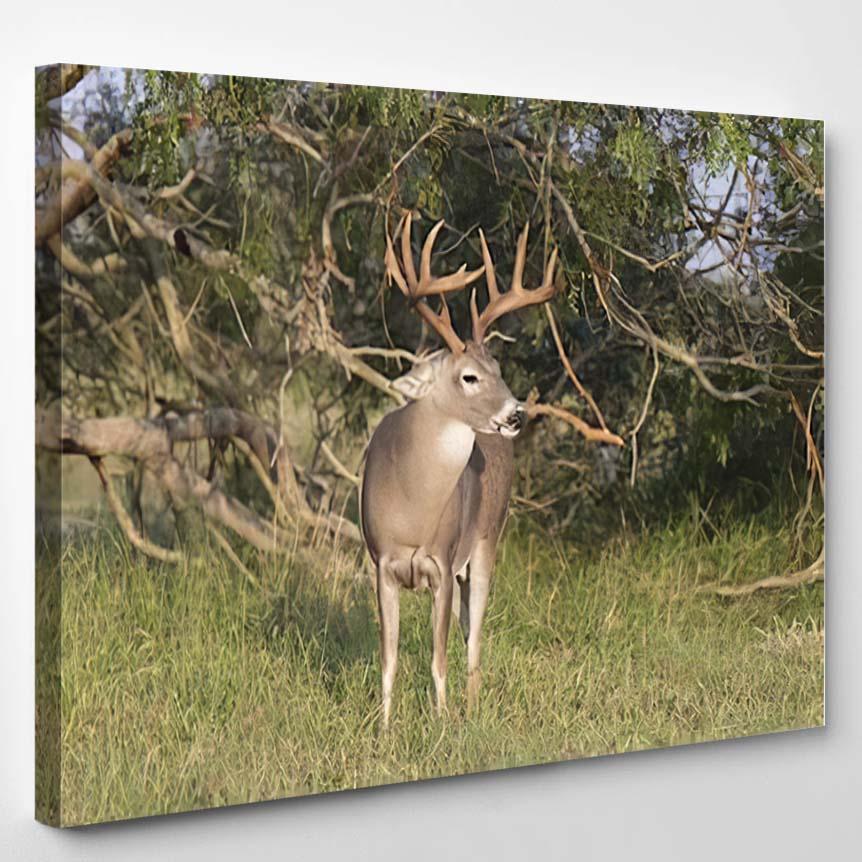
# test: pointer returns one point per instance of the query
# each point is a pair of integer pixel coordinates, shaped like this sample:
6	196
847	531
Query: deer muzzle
510	421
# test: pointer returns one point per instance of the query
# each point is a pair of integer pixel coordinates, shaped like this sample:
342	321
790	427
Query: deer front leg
481	570
388	605
441	614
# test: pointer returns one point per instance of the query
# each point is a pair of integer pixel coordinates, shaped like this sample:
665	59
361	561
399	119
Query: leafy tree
220	245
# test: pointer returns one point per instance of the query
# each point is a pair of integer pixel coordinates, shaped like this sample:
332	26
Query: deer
438	471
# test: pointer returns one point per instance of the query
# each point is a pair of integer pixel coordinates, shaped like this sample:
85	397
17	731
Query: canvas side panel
48	522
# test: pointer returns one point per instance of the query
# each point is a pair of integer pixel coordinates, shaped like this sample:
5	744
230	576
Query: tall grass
187	687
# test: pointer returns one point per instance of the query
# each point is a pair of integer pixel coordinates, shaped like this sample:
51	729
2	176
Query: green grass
189	687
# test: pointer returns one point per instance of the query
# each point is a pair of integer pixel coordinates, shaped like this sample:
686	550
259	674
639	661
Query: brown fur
434	497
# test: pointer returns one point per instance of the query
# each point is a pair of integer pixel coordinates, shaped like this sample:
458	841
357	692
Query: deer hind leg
461	601
481	570
388	605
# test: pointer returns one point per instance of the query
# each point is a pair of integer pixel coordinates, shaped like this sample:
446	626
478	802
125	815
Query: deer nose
517	418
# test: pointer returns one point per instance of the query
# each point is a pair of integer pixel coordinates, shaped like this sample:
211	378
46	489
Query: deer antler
517	296
416	289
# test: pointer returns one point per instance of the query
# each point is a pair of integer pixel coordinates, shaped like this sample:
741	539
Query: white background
790	796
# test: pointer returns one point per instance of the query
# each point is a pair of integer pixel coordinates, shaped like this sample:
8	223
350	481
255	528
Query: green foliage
42	110
638	155
163	152
486	108
632	177
389	107
728	140
236	103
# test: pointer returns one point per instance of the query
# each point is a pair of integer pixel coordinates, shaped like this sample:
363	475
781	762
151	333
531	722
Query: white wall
790	796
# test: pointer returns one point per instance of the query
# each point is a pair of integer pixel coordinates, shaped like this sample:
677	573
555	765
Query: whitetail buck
438	471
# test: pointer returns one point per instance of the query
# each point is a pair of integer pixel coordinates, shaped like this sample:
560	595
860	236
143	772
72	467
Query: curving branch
288	135
151	442
594	435
567	365
73	198
635	324
336	204
125	520
144	225
103	265
809	575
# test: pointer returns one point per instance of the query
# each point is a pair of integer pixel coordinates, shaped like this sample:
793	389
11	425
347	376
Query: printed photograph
387	434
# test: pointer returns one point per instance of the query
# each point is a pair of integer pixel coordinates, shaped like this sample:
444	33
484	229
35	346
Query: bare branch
571	371
809	575
337	465
125	521
75	197
179	189
290	137
594	435
72	263
151	442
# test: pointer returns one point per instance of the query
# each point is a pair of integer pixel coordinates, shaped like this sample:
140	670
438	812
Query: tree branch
151	442
594	435
571	371
126	523
811	574
74	198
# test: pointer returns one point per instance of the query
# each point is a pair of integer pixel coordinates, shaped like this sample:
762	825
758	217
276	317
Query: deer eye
470	379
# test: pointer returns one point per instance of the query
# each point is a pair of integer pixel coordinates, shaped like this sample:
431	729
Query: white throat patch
456	442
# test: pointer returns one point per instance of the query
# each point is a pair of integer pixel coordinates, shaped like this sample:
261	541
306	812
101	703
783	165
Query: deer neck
440	448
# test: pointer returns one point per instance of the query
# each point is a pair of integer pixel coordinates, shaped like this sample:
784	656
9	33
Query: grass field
185	687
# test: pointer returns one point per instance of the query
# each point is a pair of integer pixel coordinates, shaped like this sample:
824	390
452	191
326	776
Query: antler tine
407	254
517	296
393	269
457	280
478	334
416	289
425	277
490	272
444	312
520	260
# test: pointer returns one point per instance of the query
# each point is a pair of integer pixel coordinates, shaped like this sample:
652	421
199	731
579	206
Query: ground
190	686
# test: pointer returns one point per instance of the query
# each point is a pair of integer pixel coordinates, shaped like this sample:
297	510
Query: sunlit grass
188	687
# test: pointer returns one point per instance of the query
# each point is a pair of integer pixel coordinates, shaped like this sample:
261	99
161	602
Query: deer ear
419	380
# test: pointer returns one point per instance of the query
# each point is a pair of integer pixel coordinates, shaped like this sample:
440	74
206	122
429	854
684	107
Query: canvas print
386	434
